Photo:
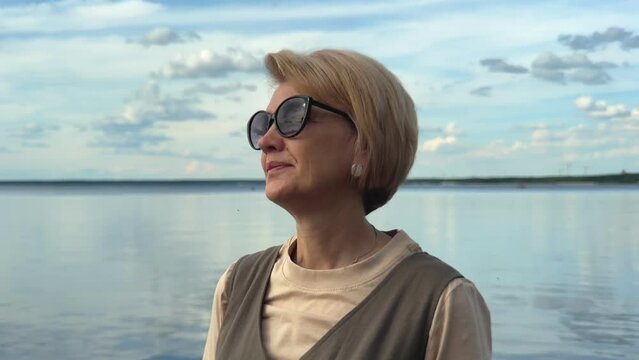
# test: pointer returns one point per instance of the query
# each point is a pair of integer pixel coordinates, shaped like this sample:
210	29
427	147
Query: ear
359	165
361	155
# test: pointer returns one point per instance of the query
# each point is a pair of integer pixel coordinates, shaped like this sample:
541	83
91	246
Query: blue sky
162	89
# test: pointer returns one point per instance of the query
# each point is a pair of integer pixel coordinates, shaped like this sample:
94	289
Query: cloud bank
223	89
34	131
598	40
138	126
483	91
500	65
165	36
574	67
599	109
211	65
449	137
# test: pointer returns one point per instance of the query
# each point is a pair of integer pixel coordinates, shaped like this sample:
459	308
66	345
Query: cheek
330	158
263	161
324	152
342	147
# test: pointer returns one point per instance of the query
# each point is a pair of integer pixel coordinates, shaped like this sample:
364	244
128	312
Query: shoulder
251	267
425	260
461	324
420	261
257	258
417	271
241	264
428	269
260	254
461	287
241	268
462	297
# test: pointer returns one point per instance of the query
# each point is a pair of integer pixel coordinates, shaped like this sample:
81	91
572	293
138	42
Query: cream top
301	305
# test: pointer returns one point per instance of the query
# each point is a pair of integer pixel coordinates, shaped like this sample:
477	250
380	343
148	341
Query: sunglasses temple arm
329	108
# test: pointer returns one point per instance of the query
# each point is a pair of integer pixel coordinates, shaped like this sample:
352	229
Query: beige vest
390	323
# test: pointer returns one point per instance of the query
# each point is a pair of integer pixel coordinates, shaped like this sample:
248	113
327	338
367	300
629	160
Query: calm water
121	273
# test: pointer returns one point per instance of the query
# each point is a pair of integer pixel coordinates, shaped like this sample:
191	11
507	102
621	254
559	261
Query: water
129	273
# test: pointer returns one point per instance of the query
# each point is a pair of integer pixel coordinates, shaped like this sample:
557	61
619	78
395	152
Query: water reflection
131	275
590	314
557	268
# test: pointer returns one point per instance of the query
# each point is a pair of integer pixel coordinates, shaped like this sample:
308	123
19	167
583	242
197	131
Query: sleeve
220	301
461	325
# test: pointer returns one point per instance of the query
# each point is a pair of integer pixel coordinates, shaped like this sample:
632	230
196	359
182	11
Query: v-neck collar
338	324
348	277
341	322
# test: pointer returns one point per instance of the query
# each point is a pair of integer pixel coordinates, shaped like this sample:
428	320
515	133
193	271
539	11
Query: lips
276	165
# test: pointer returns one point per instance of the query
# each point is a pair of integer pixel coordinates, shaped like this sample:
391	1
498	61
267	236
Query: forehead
281	93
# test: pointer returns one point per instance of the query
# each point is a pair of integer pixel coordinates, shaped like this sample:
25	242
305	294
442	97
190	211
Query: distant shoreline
523	181
624	178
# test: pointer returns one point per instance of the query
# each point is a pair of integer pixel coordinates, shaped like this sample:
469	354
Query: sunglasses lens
290	116
258	127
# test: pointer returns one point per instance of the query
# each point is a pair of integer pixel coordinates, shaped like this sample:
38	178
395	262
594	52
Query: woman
337	139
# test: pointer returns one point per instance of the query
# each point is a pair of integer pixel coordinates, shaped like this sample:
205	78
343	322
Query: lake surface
129	273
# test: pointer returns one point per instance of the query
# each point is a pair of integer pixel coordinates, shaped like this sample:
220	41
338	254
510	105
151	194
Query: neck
335	237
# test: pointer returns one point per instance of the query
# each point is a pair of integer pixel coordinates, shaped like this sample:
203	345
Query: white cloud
449	137
584	102
496	149
211	64
74	15
611	111
77	61
195	167
540	136
433	145
163	36
618	152
580	142
139	126
110	12
452	130
48	73
222	89
192	167
601	110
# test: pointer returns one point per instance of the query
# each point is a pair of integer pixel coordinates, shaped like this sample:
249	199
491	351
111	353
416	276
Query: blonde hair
380	107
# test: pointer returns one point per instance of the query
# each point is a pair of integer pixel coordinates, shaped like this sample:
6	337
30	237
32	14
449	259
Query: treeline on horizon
623	178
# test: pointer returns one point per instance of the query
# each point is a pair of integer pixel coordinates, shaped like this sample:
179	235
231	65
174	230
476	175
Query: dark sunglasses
289	118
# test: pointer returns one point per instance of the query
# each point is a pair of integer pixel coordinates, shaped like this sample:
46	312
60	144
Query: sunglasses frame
272	117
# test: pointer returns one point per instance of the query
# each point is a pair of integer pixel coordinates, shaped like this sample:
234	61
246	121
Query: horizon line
249	180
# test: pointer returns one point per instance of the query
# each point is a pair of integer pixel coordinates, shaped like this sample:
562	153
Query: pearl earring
356	170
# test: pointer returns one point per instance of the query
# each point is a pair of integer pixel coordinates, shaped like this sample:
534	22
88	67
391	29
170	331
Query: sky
137	89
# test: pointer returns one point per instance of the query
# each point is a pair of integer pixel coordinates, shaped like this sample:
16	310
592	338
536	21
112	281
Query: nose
271	141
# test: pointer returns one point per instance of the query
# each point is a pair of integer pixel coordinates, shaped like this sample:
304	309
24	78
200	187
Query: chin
287	194
278	191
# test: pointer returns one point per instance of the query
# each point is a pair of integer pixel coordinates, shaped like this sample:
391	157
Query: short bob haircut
383	112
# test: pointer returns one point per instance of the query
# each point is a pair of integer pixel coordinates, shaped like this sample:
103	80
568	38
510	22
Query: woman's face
312	166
